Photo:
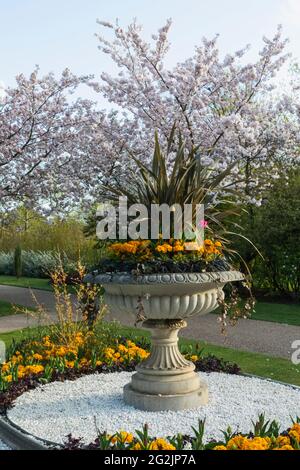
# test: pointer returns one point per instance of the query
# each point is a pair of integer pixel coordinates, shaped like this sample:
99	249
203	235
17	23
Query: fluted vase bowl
165	380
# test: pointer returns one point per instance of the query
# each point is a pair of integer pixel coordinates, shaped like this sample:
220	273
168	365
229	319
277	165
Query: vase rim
164	278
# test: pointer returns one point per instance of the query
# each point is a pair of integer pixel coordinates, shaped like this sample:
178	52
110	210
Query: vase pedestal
165	380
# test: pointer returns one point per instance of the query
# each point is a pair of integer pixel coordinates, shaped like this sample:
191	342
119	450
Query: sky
61	33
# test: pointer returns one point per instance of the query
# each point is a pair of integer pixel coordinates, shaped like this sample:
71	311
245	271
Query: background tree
275	230
55	151
224	106
45	138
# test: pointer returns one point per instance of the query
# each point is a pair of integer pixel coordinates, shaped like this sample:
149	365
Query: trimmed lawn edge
7	308
26	282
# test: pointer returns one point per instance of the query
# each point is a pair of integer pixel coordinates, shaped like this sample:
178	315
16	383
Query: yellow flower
35	369
220	448
136	446
161	444
257	443
141	353
5	367
130	247
236	442
38	357
242	443
109	351
70	364
79	339
283	441
295	432
84	361
21	371
168	247
61	351
123	437
8	378
16	359
285	447
46	341
178	247
161	249
194	358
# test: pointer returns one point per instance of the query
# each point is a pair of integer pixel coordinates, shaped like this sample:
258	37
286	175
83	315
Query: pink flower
203	223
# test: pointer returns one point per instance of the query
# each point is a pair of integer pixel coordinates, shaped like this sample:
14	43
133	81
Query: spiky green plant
186	182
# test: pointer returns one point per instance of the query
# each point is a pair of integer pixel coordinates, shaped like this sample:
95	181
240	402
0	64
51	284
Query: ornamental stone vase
165	380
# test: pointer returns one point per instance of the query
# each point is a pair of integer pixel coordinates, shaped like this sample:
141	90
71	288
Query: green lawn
252	363
33	282
258	364
6	308
276	368
280	313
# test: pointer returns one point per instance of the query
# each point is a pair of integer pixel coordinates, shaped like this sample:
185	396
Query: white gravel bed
54	410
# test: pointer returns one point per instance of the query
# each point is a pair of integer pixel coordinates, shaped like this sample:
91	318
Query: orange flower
123	437
161	444
178	247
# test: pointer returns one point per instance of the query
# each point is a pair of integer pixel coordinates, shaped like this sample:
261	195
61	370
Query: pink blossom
203	223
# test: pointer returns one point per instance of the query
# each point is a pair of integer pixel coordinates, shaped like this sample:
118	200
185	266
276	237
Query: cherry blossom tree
55	150
226	107
44	140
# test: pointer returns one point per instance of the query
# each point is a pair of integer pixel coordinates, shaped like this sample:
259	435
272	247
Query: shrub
6	263
275	229
35	263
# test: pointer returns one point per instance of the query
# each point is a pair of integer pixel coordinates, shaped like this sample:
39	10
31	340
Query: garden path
23	296
270	338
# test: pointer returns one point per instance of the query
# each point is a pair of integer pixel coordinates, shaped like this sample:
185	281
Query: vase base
180	401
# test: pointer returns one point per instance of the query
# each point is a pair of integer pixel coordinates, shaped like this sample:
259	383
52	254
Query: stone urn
165	380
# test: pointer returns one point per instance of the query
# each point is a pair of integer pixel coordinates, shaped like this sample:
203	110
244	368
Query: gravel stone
54	410
3	446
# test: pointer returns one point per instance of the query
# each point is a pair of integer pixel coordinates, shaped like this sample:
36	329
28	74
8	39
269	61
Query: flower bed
34	362
157	256
264	436
78	408
44	357
50	358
